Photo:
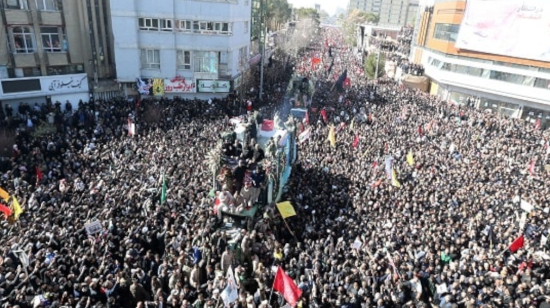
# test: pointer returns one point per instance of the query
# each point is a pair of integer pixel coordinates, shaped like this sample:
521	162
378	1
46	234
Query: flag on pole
6	210
17	210
163	192
306	118
324	115
537	124
355	141
410	159
347	83
4	195
286	209
230	293
531	167
39	174
517	244
332	136
286	286
389	166
340	82
303	136
394	180
131	128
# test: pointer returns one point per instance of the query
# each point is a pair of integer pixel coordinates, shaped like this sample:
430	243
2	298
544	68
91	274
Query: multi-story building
490	54
256	29
390	12
50	54
180	48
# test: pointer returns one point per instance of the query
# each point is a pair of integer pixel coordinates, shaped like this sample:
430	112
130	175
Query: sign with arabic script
179	84
214	86
64	83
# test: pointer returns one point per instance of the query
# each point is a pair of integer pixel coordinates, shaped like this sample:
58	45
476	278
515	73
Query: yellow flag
410	159
332	136
351	125
17	210
4	195
394	180
286	209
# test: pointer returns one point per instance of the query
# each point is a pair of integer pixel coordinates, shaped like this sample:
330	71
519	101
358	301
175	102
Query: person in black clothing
258	154
239	175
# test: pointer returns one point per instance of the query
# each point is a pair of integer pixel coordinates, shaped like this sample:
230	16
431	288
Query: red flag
374	166
537	124
420	130
342	125
376	184
39	174
531	167
324	114
4	209
355	141
306	118
268	125
286	286
516	244
347	83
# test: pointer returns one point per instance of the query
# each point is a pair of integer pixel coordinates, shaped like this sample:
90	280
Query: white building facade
180	47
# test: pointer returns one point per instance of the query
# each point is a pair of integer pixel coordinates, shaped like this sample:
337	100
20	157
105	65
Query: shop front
60	88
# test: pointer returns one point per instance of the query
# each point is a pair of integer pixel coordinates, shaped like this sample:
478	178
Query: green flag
163	193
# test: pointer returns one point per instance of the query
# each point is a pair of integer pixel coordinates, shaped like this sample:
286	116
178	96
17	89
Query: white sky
328	5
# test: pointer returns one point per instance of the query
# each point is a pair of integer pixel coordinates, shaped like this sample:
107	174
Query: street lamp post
262	46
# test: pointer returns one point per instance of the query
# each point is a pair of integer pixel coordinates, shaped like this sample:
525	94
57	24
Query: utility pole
377	61
262	46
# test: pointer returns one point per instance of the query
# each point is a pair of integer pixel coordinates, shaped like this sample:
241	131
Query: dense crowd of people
434	232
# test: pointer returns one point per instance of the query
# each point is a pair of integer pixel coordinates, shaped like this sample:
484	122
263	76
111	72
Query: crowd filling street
412	202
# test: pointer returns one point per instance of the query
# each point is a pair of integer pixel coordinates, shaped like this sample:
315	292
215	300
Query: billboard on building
179	84
519	29
214	86
158	87
148	86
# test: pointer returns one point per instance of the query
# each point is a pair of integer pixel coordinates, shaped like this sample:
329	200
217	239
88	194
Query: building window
46	5
243	55
224	57
184	25
150	24
150	58
205	61
246	27
17	4
50	39
542	83
166	25
446	32
23	40
226	27
184	59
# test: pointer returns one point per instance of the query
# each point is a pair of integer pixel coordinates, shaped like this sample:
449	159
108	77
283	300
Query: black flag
340	82
330	67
